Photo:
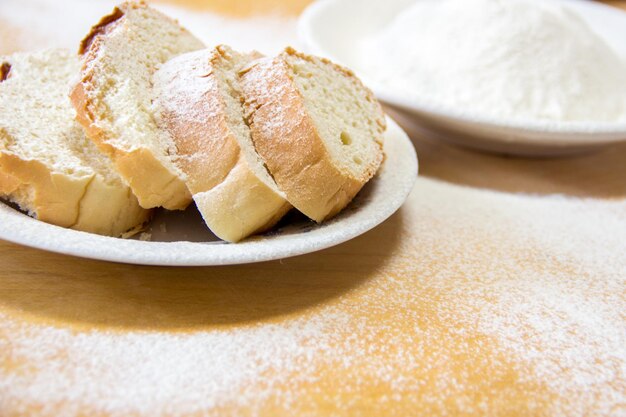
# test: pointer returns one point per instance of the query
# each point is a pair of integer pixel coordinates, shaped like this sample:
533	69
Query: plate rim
80	244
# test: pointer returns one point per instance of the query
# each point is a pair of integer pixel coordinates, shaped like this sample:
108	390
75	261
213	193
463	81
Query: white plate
331	28
181	238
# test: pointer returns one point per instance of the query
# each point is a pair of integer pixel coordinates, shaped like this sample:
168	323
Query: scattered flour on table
509	60
151	373
546	277
63	23
515	290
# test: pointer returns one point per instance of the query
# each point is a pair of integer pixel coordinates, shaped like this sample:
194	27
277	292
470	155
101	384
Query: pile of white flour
504	59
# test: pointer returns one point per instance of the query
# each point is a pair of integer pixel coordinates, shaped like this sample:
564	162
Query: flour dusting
491	303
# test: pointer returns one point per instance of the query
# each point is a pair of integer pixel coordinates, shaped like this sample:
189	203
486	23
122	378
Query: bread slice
47	165
113	100
201	106
318	129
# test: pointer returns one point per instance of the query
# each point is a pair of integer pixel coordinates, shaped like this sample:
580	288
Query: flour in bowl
507	60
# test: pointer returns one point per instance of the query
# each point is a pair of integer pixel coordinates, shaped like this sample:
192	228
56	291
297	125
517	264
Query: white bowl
332	28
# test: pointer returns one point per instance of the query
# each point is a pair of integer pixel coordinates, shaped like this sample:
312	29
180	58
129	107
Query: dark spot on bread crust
5	69
101	27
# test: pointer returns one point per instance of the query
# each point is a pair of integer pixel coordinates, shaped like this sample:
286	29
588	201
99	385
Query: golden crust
154	184
287	139
205	147
101	28
116	204
241	205
54	197
87	204
233	201
5	69
8	183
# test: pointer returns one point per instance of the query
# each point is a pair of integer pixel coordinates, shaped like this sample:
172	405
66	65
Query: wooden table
446	308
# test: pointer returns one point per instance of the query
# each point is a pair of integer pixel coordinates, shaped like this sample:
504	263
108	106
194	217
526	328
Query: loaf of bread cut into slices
114	103
47	165
317	128
200	105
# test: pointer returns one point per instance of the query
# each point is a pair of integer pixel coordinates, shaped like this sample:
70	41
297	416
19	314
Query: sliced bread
114	103
47	165
200	105
317	128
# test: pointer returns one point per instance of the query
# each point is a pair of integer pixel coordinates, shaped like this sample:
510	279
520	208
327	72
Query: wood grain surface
396	289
